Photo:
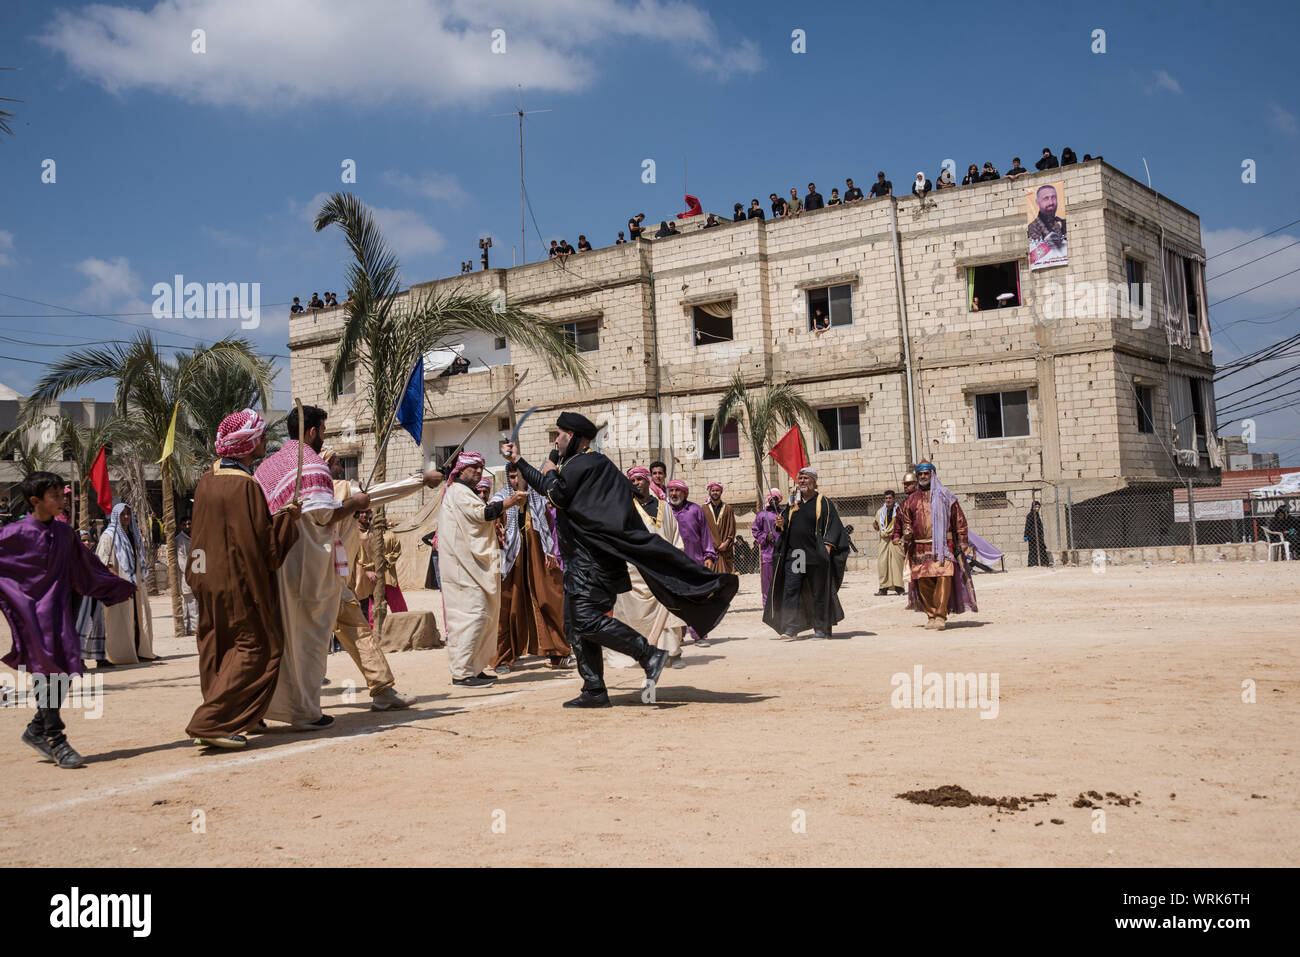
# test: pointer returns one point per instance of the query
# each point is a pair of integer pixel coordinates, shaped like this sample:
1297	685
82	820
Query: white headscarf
126	545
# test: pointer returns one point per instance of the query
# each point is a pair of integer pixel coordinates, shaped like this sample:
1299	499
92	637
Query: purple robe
40	566
697	540
764	532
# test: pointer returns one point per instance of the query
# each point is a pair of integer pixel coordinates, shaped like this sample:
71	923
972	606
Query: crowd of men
316	303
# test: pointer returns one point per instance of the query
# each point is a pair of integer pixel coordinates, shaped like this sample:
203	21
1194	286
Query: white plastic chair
1278	541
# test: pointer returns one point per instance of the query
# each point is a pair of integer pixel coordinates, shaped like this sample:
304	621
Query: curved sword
456	452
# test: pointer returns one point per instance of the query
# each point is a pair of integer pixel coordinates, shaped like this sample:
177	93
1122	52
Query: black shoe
883	591
38	742
654	667
486	677
65	756
474	682
105	663
585	700
898	591
324	721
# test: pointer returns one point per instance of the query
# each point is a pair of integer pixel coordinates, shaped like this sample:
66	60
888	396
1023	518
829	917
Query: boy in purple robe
765	535
41	563
697	540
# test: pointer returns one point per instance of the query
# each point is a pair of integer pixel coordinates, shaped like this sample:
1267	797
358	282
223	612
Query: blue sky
211	165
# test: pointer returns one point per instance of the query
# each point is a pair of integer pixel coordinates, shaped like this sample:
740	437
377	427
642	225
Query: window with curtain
1211	422
994	286
1176	299
728	448
712	322
1183	413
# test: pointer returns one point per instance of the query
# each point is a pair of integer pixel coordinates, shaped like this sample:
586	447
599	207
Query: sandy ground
759	751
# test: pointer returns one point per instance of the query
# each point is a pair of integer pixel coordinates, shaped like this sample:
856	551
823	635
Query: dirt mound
953	795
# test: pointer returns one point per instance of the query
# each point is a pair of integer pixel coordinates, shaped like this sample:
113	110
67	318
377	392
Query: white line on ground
231	763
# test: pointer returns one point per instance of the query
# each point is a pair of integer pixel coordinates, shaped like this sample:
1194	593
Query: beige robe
119	630
310	593
638	608
470	566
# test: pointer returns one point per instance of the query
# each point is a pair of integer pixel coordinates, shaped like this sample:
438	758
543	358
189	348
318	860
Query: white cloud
408	233
6	247
111	281
433	52
1284	120
1163	81
441	186
1262	266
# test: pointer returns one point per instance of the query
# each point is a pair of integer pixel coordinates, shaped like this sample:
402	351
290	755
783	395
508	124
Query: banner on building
1045	213
1211	511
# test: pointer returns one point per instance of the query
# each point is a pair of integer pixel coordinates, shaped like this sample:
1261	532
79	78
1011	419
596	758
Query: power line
1249	241
1257	286
1255	260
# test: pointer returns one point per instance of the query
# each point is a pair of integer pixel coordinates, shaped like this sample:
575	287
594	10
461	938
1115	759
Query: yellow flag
170	441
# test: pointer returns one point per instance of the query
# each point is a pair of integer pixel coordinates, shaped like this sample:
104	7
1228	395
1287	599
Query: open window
1135	271
1145	409
585	335
1002	415
349	381
349	464
843	428
712	322
728	448
995	286
830	306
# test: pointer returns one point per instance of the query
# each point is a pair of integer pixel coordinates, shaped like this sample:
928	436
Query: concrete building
1060	387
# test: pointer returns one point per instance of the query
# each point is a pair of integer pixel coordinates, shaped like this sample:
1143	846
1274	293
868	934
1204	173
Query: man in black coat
600	535
812	550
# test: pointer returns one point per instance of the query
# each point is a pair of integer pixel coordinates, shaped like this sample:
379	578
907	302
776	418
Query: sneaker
570	661
231	742
701	643
676	661
66	756
390	699
475	682
324	721
324	682
502	669
883	591
38	742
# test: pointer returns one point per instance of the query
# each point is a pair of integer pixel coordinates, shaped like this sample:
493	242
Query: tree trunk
84	522
169	549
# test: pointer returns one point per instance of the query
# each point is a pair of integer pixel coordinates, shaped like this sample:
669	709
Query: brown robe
236	547
934	579
532	603
723	528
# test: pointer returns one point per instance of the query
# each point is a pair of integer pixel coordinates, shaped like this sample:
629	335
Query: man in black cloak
600	535
812	549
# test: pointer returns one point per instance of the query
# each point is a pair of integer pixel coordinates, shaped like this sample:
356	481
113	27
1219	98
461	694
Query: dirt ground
759	752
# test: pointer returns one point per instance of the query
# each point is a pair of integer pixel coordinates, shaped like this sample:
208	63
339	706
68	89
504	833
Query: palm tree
776	409
30	455
217	391
152	392
84	443
384	337
5	115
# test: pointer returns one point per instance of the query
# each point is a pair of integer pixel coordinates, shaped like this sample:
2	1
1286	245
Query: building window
499	343
1137	277
830	306
1002	415
349	381
729	447
1145	410
1193	314
584	335
503	423
712	322
842	429
996	286
350	465
992	500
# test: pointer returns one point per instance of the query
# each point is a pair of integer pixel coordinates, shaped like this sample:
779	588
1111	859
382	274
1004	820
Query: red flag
99	479
789	453
694	208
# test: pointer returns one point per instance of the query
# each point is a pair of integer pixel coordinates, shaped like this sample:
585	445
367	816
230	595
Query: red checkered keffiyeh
464	460
640	471
679	484
712	485
277	472
238	433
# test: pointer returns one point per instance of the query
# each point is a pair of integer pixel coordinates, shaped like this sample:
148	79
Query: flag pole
388	430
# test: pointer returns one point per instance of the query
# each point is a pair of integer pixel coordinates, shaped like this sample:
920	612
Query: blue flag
410	409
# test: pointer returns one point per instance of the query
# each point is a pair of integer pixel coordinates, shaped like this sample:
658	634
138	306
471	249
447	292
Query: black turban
578	424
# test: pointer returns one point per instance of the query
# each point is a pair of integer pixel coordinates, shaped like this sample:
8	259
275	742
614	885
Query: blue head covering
126	543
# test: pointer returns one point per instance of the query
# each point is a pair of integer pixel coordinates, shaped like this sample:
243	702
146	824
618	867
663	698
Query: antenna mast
521	113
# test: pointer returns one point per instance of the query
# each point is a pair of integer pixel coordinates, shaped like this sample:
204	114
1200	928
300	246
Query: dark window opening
830	306
584	335
996	286
499	343
1146	410
1137	276
842	427
1193	314
710	328
1198	412
1002	415
729	447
